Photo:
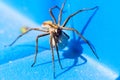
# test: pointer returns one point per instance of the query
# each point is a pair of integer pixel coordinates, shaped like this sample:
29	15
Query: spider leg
60	14
85	9
56	46
37	47
51	46
38	29
52	15
85	40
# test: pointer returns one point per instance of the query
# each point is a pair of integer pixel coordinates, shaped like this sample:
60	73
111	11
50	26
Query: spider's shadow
75	49
74	52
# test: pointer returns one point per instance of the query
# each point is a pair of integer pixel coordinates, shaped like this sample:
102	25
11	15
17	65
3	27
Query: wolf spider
55	30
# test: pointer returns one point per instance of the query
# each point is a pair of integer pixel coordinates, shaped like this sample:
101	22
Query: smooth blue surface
100	28
72	70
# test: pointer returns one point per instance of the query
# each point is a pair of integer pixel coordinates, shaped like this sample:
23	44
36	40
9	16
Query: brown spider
57	36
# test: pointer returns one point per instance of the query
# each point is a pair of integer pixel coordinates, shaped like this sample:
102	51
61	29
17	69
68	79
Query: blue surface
100	27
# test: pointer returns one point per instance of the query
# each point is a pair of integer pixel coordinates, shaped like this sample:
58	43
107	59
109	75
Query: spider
57	36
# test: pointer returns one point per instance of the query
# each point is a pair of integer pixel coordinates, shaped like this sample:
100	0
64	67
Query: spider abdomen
62	40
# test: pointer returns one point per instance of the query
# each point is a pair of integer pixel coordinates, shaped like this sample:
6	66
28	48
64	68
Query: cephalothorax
61	38
57	36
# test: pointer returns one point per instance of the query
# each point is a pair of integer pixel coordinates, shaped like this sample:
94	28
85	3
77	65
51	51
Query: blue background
100	27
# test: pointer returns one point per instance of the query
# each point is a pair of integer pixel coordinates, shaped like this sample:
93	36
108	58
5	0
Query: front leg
52	15
36	52
51	47
60	14
36	29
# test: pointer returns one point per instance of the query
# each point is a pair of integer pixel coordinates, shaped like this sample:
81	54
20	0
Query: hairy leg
37	29
37	47
52	15
56	46
60	14
68	18
51	47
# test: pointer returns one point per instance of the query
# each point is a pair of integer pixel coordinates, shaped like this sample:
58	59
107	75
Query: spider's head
49	24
